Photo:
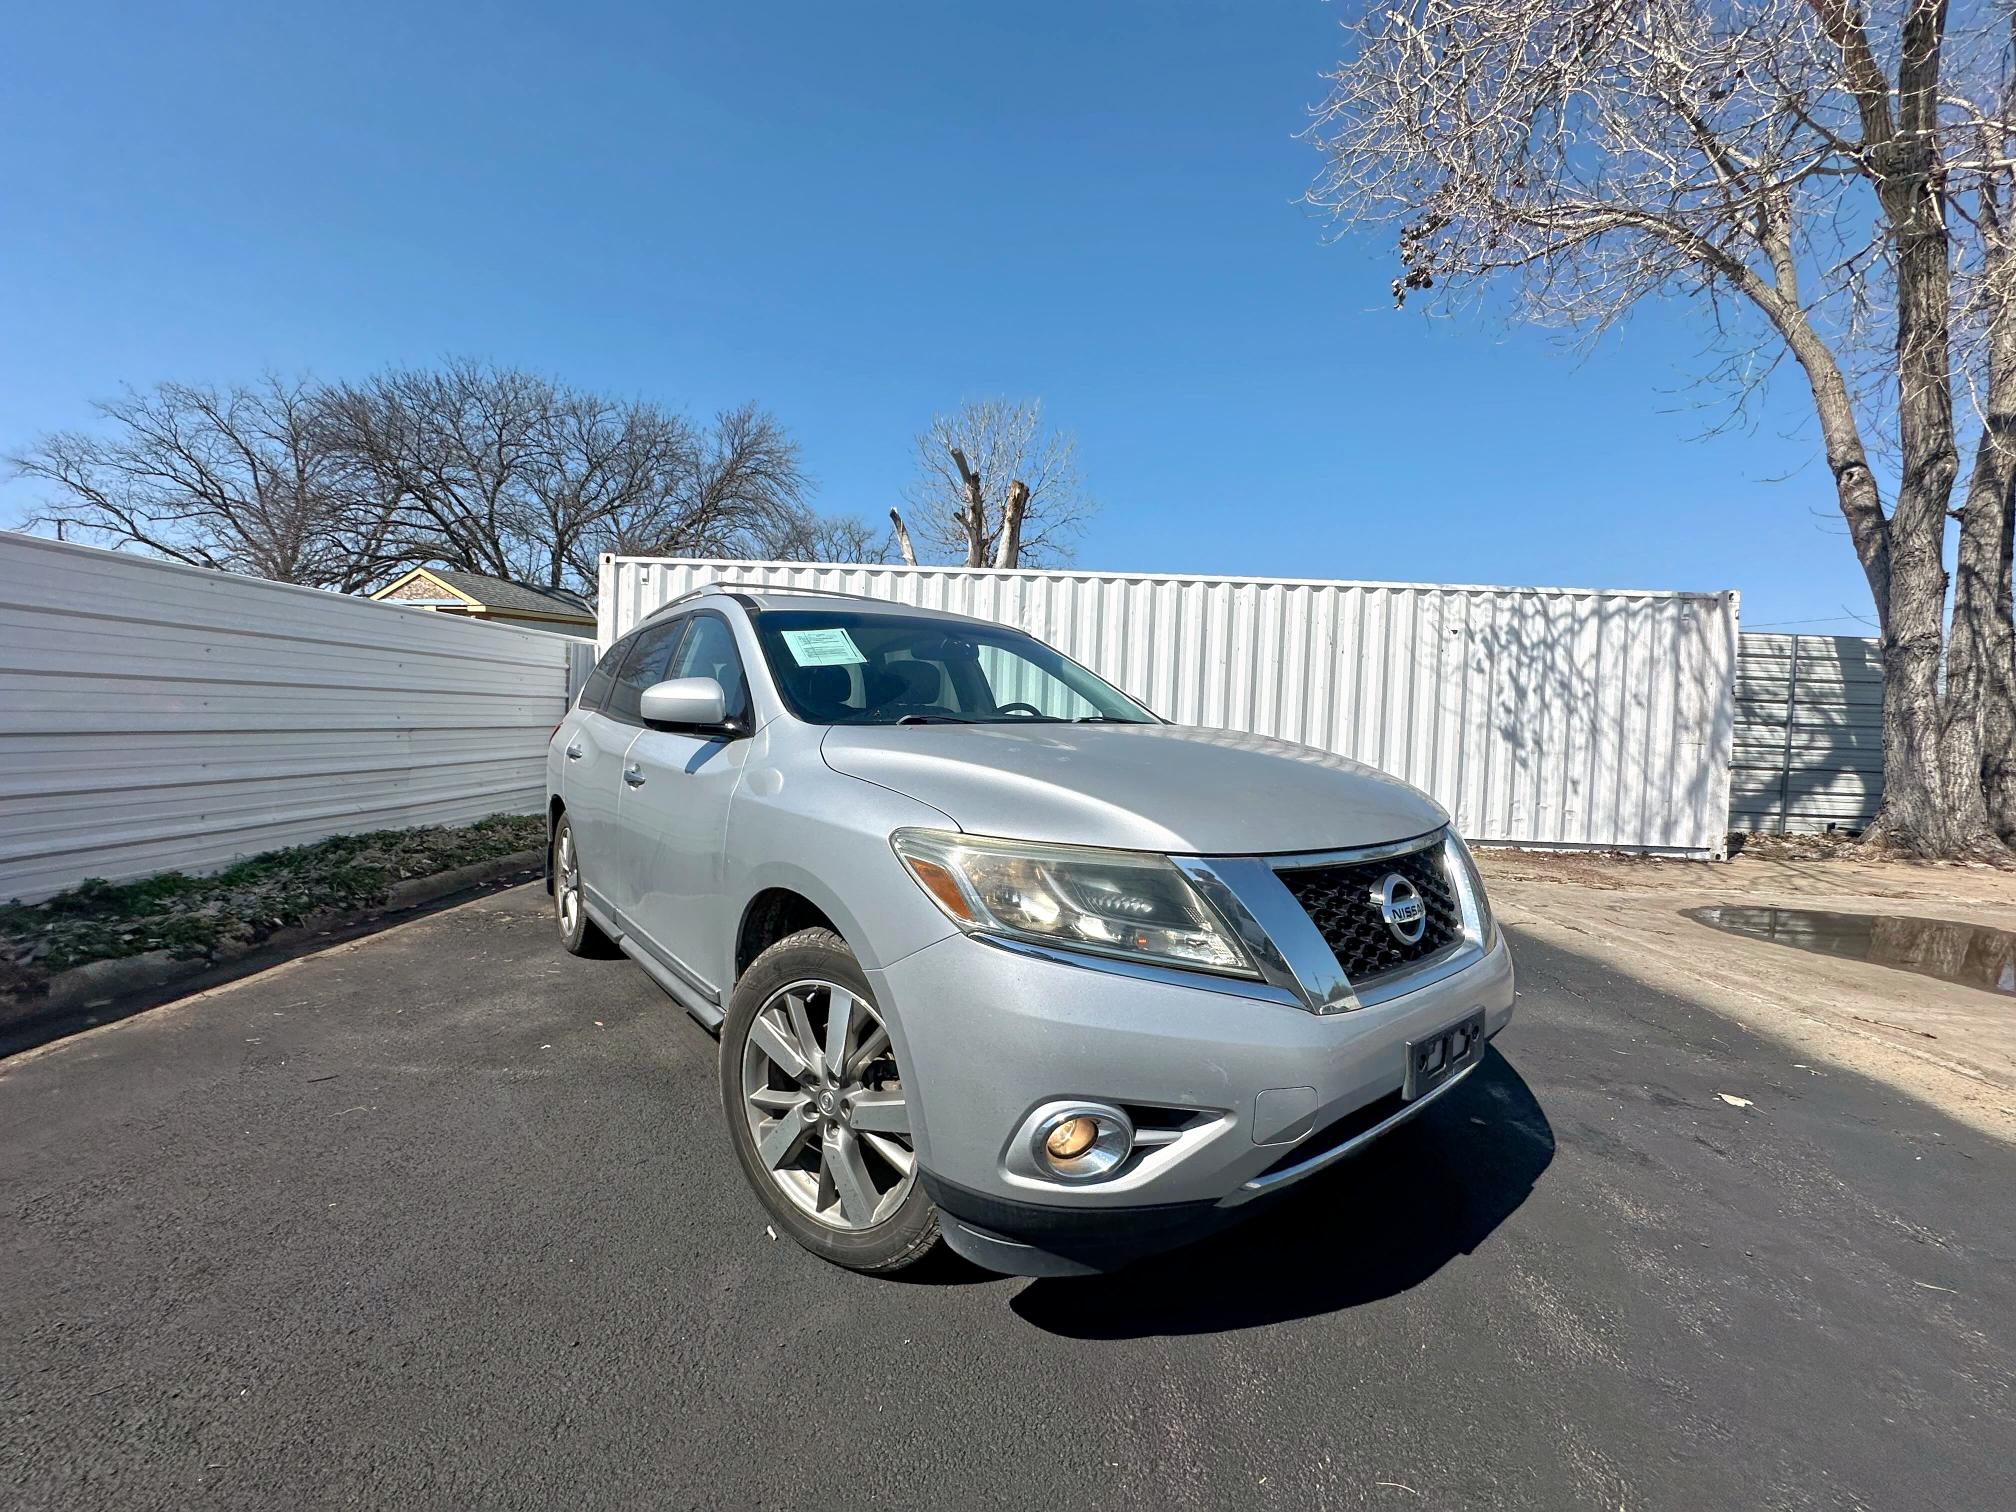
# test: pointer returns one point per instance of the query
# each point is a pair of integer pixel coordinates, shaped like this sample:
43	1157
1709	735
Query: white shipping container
1538	716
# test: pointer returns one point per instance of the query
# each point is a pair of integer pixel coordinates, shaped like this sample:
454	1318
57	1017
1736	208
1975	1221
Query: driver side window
646	664
710	652
596	688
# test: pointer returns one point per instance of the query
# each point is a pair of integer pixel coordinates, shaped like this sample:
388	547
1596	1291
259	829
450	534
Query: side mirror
692	703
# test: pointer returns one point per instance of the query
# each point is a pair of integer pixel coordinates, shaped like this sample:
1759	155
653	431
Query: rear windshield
848	667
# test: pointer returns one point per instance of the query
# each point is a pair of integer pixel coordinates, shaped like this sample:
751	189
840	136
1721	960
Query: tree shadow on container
1379	1224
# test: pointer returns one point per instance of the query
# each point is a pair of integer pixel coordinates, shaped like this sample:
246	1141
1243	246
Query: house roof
503	594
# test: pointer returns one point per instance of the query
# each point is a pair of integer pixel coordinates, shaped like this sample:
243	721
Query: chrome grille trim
1300	860
1258	909
1370	953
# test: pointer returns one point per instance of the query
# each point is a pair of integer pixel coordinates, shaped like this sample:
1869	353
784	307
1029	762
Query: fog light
1080	1143
1072	1138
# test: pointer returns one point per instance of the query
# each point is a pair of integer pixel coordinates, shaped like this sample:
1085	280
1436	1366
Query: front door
594	780
673	812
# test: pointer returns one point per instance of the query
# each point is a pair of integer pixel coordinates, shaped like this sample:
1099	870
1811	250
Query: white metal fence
154	716
1537	716
1809	733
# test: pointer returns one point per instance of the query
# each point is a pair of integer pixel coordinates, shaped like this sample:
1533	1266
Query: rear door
593	760
674	818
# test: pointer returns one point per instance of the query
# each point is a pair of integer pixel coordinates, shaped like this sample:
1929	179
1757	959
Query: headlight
1117	903
1470	890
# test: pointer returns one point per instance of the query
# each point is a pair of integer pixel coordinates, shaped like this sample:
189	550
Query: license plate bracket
1435	1058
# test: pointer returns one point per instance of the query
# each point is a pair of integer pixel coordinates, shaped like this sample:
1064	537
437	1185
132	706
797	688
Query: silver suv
995	954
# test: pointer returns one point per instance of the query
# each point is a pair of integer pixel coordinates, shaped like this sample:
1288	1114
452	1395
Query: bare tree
1833	182
738	488
994	487
479	467
600	463
477	459
810	537
244	479
505	472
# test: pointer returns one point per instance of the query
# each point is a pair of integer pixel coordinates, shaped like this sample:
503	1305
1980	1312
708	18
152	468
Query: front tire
817	1110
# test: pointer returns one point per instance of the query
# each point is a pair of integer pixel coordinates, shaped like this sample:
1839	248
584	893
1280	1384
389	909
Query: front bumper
1250	1090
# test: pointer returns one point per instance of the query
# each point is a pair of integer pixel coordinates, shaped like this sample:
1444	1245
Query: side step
707	1013
682	992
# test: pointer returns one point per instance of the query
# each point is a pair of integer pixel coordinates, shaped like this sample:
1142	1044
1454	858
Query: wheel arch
775	913
779	894
776	881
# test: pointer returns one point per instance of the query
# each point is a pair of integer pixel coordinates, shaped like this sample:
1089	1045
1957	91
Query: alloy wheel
825	1105
566	884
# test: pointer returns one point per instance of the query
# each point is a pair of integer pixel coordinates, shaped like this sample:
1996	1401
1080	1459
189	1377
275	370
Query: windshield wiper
1103	719
934	719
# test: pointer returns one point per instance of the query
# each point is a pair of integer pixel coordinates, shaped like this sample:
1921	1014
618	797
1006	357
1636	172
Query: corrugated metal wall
1809	733
581	659
1537	716
154	716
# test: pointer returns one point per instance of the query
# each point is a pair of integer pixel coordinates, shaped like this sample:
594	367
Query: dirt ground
1948	1044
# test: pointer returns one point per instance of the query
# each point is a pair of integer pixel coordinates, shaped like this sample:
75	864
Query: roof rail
871	598
738	589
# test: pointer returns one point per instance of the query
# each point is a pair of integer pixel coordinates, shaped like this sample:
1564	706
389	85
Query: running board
682	992
709	1016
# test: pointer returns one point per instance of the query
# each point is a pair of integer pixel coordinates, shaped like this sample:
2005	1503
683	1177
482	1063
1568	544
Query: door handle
634	776
573	753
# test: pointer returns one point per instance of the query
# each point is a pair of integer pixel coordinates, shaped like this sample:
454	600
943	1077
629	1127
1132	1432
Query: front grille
1341	901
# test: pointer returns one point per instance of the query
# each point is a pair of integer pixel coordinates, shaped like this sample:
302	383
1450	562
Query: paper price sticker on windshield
823	648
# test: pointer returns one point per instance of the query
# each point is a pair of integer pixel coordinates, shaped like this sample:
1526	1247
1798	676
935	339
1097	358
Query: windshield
848	667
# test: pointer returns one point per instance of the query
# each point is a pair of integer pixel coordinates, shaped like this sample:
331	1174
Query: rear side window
650	657
596	688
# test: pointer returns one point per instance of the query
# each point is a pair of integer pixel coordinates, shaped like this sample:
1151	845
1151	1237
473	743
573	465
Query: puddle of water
1974	955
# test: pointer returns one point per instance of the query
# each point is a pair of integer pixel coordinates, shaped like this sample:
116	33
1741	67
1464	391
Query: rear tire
579	934
825	1143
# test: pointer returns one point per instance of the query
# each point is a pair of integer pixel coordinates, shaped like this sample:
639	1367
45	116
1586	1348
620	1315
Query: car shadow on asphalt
1377	1225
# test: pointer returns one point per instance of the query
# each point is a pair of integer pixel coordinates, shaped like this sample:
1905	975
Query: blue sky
857	215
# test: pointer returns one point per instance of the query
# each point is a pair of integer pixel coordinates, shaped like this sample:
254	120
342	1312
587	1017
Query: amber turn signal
939	882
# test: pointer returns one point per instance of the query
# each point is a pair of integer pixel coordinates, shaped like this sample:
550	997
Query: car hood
1136	787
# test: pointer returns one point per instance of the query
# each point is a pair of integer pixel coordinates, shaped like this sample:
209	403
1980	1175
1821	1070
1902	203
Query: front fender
797	834
825	836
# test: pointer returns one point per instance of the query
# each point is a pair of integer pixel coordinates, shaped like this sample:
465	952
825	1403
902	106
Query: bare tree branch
809	537
902	536
1008	549
971	463
243	479
485	468
500	471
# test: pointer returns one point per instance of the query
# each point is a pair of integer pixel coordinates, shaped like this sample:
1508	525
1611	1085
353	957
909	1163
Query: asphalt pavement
446	1218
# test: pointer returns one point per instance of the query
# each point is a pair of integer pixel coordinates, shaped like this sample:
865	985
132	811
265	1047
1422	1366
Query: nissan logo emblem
1400	907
